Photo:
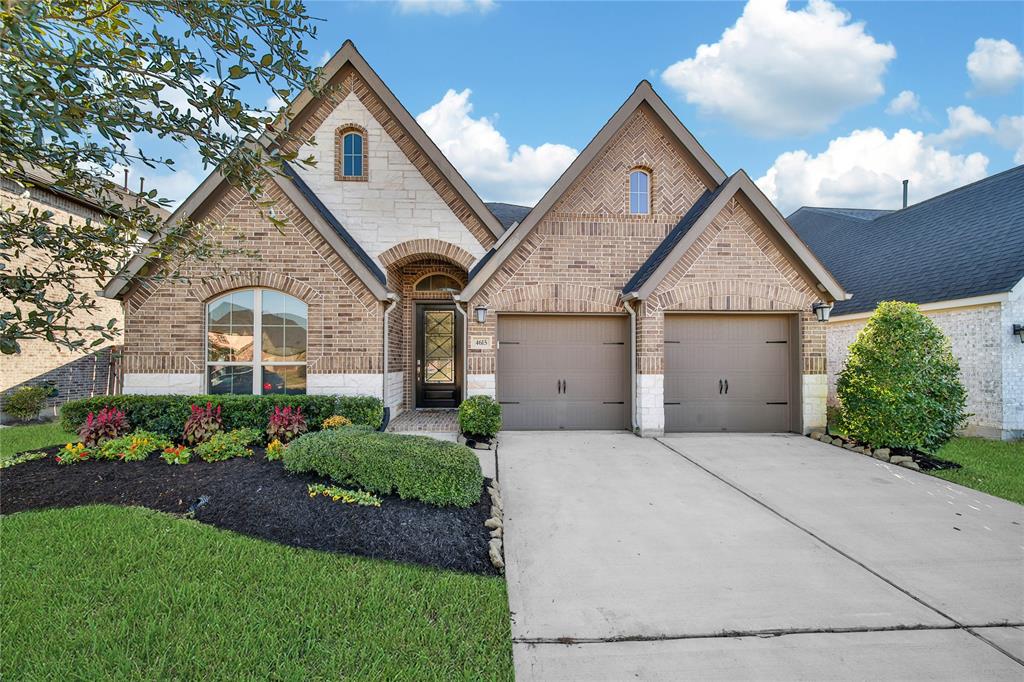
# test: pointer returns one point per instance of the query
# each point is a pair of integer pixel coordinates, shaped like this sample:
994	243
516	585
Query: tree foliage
901	383
86	87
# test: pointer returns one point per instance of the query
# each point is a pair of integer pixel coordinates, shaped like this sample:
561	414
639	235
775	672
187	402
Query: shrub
176	454
73	453
202	424
416	467
164	414
901	386
132	448
223	446
26	402
107	424
286	424
275	450
336	422
480	416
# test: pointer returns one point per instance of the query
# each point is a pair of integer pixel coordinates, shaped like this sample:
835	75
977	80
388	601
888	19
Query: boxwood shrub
166	414
416	467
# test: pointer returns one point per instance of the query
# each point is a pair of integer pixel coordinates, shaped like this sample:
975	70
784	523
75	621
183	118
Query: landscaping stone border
496	525
884	454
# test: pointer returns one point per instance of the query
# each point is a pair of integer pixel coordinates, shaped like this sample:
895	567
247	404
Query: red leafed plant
107	424
202	424
286	423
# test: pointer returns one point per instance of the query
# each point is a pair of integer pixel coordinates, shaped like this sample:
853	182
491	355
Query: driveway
752	556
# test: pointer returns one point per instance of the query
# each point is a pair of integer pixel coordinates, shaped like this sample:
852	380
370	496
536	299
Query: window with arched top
639	192
350	153
256	343
438	282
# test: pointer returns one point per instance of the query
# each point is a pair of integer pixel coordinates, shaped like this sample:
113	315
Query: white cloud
964	122
778	72
865	169
906	102
444	7
1010	134
482	154
995	66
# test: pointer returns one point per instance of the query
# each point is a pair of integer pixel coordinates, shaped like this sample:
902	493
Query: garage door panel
586	354
751	352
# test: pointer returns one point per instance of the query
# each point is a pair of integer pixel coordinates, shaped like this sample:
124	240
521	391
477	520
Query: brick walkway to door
433	421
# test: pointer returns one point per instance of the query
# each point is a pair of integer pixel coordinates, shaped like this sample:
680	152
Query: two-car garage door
722	372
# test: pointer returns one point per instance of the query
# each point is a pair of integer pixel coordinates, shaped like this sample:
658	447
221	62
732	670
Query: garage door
563	372
728	373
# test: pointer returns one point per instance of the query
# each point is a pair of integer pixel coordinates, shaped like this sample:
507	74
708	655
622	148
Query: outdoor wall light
1018	329
481	313
821	311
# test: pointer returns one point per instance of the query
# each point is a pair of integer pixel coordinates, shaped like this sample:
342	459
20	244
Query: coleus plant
107	424
202	424
286	423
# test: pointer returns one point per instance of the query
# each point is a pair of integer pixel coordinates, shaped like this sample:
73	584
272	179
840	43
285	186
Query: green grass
991	466
104	592
18	438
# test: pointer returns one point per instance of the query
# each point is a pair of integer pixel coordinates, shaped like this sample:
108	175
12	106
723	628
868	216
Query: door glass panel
439	346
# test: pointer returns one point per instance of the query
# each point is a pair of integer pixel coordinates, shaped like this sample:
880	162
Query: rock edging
884	454
496	525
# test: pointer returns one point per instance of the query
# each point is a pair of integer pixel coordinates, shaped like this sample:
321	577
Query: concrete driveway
752	557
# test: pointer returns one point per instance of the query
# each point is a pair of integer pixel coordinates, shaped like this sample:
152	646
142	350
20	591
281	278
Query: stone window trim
339	153
649	172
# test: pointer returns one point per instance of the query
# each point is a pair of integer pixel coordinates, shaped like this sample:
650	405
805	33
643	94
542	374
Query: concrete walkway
738	557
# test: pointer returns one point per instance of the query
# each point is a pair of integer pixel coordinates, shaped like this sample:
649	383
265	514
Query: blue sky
773	80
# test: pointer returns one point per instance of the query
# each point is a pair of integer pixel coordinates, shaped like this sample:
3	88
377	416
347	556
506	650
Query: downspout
391	303
627	301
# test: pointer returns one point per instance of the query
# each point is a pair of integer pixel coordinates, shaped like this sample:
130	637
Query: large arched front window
256	343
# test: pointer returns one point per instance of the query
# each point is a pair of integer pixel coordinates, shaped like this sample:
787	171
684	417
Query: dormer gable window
351	154
639	192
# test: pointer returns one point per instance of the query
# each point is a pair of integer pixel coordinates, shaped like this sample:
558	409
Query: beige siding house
647	290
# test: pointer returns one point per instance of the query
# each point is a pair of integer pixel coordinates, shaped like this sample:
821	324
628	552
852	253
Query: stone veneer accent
404	197
982	342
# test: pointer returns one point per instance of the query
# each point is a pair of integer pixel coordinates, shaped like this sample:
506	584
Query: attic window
351	153
442	283
639	192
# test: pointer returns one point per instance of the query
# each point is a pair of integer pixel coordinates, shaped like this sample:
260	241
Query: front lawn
104	592
991	466
20	438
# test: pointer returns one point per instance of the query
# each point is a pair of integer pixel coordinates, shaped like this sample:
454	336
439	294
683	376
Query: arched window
438	283
639	192
256	353
350	153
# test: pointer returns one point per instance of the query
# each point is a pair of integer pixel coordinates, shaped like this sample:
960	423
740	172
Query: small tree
901	384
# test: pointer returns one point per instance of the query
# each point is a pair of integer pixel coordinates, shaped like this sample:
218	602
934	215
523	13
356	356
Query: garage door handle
727	387
719	387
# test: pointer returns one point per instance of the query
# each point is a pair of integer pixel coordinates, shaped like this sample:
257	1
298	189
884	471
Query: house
69	374
960	256
646	290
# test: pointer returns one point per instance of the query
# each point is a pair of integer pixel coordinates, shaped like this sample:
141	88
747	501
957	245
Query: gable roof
302	197
311	207
699	217
508	214
643	94
965	243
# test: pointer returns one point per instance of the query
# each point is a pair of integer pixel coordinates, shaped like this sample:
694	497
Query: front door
438	355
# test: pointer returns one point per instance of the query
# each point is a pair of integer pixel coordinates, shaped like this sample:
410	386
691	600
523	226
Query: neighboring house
960	256
71	374
647	288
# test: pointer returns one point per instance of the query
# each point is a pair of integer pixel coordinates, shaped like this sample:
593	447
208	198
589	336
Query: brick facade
74	374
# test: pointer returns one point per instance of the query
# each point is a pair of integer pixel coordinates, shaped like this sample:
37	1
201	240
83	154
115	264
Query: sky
828	104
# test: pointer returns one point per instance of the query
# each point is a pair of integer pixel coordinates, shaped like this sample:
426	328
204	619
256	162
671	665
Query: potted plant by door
479	421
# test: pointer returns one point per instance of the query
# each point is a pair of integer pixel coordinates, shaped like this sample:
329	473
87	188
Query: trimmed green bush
901	385
416	467
480	416
26	402
166	414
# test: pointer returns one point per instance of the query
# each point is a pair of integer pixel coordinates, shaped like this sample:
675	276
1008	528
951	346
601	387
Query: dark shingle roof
508	214
659	255
326	214
966	242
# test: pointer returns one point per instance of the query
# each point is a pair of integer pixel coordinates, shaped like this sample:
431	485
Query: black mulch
256	497
927	462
